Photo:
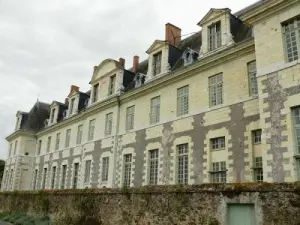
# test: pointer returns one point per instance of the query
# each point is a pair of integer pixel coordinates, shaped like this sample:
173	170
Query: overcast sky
45	46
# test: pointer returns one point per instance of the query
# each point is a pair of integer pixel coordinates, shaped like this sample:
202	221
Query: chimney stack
122	62
73	88
173	34
135	63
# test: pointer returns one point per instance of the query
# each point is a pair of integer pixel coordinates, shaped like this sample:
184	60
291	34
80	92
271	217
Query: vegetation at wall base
23	219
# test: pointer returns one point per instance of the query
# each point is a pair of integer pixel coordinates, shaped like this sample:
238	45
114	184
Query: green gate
241	214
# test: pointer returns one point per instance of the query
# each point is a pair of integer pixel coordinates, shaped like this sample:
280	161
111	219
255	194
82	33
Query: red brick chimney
135	63
122	62
73	88
173	34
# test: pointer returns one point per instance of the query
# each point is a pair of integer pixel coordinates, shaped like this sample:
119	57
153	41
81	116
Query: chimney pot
173	34
135	63
122	62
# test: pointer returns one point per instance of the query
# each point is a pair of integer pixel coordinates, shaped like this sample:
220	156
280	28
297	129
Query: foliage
23	219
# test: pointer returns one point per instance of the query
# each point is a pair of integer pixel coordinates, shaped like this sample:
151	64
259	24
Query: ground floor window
218	173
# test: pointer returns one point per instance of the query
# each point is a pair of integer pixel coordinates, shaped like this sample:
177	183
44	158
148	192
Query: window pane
182	163
183	101
216	89
153	166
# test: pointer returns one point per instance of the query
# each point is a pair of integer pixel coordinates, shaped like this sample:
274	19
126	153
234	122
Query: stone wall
274	204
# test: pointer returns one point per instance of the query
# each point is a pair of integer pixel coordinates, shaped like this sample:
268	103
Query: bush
22	220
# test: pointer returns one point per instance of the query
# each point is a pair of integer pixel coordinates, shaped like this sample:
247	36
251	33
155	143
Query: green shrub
22	220
6	218
30	222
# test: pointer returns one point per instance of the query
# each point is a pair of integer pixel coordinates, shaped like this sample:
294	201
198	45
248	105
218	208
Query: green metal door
241	214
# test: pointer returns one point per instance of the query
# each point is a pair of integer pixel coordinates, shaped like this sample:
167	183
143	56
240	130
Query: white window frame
75	175
53	111
92	124
36	171
252	72
127	166
87	171
291	37
256	135
95	93
182	163
153	166
183	100
296	124
258	169
108	123
68	138
39	150
112	85
216	90
49	143
45	171
218	143
54	168
130	118
219	172
72	103
105	169
64	169
214	40
156	64
79	134
57	141
155	110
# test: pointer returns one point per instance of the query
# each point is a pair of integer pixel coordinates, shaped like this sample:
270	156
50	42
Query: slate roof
249	8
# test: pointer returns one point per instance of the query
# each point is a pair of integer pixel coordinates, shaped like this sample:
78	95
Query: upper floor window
182	101
91	130
52	115
68	136
218	143
130	118
155	110
95	93
216	89
156	63
71	106
214	36
57	141
108	123
291	33
49	144
79	134
17	124
39	147
296	118
256	134
112	84
252	78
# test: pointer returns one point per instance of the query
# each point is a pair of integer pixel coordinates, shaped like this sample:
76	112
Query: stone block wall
274	204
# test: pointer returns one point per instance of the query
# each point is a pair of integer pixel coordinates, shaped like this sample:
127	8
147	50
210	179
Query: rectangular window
256	135
258	169
95	93
108	124
291	33
153	167
218	143
127	170
130	118
87	172
68	136
63	176
216	90
71	106
79	134
91	130
52	115
182	164
44	178
253	89
156	63
35	179
218	173
53	177
10	150
112	84
39	147
75	177
214	36
17	123
155	110
183	101
57	141
296	122
105	167
48	144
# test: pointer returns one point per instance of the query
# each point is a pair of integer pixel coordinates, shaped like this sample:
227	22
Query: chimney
135	63
73	88
173	34
122	62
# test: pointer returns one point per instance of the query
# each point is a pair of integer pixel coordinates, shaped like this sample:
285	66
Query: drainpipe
116	143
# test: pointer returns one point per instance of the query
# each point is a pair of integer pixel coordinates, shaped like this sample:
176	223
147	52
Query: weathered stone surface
275	204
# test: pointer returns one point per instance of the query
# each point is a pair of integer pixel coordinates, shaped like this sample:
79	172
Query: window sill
258	143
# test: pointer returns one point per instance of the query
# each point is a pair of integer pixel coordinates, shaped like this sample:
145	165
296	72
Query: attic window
214	36
52	115
157	63
71	106
112	83
95	92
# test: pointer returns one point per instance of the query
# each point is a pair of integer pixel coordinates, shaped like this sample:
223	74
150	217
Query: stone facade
234	120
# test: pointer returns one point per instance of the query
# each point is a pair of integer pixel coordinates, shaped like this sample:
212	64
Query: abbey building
222	105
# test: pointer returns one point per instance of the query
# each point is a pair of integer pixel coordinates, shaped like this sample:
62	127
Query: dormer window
52	115
17	123
95	93
112	84
156	63
214	36
71	106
